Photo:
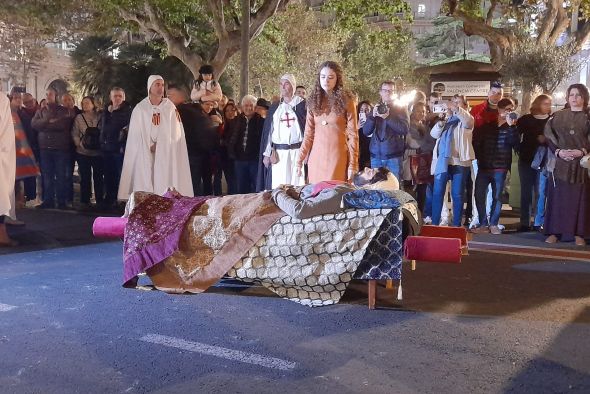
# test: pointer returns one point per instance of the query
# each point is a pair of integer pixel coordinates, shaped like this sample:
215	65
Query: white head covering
151	80
291	79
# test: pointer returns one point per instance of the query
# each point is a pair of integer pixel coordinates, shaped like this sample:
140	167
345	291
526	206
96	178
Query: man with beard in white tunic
281	139
156	156
7	167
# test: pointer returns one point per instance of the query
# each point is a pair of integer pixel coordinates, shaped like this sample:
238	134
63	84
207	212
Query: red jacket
482	115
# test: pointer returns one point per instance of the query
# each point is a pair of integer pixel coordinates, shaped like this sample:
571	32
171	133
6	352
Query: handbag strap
85	121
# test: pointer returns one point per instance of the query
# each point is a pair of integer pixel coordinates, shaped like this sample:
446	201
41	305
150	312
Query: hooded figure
7	156
281	138
156	157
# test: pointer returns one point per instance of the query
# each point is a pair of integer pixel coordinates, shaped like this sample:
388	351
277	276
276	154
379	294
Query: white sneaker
501	227
13	222
474	223
427	220
495	230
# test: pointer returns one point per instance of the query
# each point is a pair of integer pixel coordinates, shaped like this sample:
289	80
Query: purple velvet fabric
153	231
109	227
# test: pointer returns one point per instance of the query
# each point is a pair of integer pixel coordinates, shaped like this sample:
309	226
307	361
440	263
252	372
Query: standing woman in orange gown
330	144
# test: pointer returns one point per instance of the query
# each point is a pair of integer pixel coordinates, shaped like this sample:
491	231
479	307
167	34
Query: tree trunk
245	47
527	99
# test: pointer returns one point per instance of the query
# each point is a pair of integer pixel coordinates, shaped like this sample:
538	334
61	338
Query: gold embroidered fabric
210	229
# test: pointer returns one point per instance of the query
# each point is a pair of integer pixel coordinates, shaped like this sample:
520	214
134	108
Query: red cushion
436	250
445	232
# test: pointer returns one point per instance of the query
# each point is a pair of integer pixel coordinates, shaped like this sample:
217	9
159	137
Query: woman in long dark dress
568	196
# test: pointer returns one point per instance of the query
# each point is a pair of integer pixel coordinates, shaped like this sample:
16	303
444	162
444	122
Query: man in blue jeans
493	146
452	157
387	127
54	123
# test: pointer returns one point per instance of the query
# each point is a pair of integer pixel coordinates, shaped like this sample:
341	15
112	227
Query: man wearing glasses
387	127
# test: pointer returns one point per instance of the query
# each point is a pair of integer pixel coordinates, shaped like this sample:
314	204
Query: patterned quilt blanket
312	261
309	261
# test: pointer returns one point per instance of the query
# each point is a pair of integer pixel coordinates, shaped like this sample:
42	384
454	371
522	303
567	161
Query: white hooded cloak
168	167
7	156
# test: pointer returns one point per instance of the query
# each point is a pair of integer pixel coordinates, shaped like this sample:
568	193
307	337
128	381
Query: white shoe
427	220
32	203
501	227
474	223
13	222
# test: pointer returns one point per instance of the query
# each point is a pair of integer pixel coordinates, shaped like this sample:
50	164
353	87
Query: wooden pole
245	47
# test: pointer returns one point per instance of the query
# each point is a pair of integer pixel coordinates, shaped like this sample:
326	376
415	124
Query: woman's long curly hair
320	102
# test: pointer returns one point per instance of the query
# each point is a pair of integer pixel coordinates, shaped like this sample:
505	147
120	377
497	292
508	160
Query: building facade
55	70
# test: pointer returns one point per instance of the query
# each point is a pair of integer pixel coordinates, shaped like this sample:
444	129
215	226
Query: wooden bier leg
389	284
372	291
413	265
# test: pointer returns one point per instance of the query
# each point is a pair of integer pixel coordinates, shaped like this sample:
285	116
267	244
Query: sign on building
466	88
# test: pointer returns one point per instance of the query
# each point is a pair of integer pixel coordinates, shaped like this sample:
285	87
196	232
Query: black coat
111	126
199	130
530	128
264	178
236	148
493	146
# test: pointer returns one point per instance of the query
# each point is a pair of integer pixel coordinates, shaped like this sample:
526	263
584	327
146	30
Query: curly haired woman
330	144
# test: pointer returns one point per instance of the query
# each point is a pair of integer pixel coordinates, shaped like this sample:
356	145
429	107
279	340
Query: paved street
509	319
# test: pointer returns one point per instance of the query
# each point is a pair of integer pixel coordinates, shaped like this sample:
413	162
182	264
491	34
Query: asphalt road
494	324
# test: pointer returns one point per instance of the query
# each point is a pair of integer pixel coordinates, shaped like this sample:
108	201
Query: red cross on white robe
287	119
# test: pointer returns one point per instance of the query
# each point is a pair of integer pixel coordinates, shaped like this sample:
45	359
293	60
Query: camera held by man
387	127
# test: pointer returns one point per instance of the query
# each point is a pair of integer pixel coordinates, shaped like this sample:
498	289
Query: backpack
91	137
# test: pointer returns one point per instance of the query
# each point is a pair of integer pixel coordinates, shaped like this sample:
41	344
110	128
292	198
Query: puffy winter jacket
387	135
493	146
54	124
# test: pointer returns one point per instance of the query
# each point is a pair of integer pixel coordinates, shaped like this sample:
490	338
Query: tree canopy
505	23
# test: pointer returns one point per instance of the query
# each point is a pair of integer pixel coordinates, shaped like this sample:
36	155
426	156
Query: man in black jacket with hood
201	137
115	122
493	145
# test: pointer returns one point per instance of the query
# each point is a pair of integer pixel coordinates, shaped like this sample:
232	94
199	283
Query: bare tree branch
490	14
582	35
266	10
150	22
562	22
216	9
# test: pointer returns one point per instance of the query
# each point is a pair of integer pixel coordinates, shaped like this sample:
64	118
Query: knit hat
206	69
151	80
291	79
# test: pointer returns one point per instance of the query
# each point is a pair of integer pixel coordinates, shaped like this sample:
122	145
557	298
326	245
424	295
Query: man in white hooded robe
283	133
156	157
7	166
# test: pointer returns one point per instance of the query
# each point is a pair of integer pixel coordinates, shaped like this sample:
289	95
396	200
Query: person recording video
493	145
387	126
